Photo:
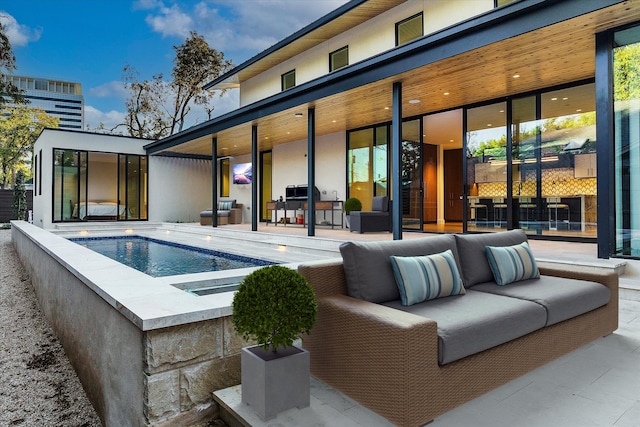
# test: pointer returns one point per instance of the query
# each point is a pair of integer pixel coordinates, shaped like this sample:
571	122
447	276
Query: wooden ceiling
550	56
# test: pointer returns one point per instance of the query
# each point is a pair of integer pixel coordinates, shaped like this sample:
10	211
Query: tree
7	65
19	197
156	108
19	129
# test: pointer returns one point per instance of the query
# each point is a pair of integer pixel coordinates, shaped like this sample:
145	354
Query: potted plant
351	204
274	306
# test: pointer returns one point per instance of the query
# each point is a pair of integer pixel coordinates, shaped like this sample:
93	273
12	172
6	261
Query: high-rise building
57	98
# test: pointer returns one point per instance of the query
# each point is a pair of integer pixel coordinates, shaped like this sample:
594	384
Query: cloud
19	35
94	117
238	28
112	89
170	21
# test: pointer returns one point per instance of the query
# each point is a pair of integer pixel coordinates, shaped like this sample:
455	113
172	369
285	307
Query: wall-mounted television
242	173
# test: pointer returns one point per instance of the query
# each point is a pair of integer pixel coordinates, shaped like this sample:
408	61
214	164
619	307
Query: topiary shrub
274	305
352	204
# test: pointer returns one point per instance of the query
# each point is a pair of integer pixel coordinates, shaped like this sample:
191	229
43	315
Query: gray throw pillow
367	265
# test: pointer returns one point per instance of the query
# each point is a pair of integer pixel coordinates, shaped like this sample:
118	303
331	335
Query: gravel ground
38	386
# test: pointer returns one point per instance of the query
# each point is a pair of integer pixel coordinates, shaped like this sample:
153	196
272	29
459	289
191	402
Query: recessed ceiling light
414	101
579	110
298	115
266	137
502	111
565	98
489	125
386	108
554	99
451	140
288	133
516	76
446	93
333	121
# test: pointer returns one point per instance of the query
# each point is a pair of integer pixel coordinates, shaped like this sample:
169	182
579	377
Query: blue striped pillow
225	206
512	263
422	278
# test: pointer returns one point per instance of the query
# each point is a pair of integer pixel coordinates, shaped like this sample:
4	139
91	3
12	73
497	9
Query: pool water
158	258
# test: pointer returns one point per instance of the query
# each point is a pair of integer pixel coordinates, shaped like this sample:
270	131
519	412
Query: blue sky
90	41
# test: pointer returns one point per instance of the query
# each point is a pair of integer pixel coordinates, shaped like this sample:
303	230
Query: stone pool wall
145	352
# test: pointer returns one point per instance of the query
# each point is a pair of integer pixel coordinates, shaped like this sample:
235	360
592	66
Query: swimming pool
159	258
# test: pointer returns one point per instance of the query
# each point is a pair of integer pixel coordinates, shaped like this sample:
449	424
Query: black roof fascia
494	26
183	155
336	13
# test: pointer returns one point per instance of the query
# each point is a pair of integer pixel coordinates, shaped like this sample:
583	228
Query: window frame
335	52
284	76
406	20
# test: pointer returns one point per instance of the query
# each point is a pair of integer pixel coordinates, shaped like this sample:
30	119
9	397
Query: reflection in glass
626	89
412	174
487	167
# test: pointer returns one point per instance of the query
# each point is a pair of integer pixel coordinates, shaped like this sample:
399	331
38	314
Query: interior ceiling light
386	108
298	115
516	76
554	99
414	101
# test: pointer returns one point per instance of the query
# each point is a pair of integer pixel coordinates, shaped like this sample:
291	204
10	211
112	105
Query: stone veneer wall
161	377
184	365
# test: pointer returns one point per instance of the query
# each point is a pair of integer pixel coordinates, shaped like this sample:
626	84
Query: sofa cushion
426	277
562	298
477	321
512	263
367	265
224	213
475	266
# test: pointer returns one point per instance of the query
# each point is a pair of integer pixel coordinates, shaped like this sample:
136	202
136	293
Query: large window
90	186
409	29
339	58
626	91
288	80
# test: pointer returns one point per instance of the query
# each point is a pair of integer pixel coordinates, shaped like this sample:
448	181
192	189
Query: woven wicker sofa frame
387	359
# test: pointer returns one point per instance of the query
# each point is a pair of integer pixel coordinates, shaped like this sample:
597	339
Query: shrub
274	305
352	204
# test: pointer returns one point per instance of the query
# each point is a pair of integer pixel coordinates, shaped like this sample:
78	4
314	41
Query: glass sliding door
266	170
626	90
412	205
567	161
526	149
367	166
486	151
69	184
132	187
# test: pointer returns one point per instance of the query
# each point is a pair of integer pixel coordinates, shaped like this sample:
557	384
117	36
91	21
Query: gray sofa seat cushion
368	269
224	213
476	321
562	298
473	258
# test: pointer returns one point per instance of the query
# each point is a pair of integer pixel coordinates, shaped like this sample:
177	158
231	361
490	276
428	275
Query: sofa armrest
384	358
326	276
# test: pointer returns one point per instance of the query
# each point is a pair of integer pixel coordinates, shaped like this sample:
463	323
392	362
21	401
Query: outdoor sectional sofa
229	212
413	363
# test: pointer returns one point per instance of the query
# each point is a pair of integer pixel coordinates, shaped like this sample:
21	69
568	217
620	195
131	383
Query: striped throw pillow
512	263
422	278
225	206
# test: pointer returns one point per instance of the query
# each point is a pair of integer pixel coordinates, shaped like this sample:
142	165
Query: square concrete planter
275	382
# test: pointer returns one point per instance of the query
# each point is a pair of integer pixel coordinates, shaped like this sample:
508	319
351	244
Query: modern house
480	115
57	98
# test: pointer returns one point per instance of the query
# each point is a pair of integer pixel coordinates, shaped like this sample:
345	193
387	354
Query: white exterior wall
51	139
290	166
365	40
179	189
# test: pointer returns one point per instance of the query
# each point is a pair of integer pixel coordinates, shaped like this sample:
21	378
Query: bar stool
553	204
525	205
476	206
498	207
